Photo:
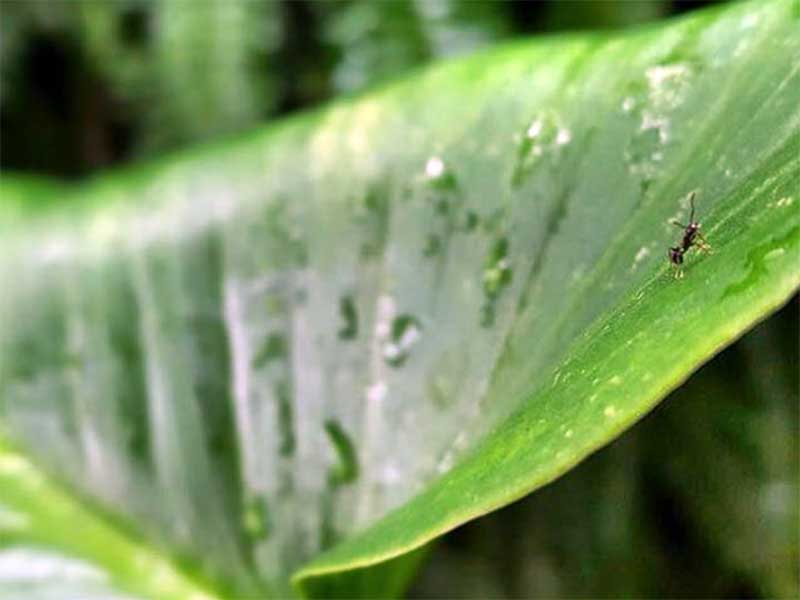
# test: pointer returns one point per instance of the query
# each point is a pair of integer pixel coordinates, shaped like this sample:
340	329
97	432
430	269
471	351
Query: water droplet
434	168
404	333
442	182
643	152
433	245
346	469
390	474
627	104
643	253
391	352
470	221
568	433
564	137
615	380
461	441
497	276
446	463
283	394
543	135
347	309
534	129
665	89
785	201
376	393
385	314
498	272
610	410
273	348
438	176
255	518
665	78
773	254
757	259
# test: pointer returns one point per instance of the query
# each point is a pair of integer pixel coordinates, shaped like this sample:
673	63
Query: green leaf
359	329
52	546
643	517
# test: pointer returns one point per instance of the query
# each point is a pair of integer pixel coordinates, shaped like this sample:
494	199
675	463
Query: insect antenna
691	202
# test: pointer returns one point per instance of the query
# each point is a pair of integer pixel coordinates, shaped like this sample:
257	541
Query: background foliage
100	83
103	83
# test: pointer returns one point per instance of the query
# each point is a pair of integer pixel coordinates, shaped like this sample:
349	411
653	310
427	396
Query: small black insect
691	237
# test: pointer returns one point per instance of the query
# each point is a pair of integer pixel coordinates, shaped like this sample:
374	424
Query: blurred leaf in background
377	40
194	72
107	81
98	83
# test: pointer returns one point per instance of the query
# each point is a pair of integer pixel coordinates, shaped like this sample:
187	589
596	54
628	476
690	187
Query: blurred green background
100	82
700	500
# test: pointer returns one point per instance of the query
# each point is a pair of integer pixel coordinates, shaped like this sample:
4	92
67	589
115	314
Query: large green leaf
643	517
359	329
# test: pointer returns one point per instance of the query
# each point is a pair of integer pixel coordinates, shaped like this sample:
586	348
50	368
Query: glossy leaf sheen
364	327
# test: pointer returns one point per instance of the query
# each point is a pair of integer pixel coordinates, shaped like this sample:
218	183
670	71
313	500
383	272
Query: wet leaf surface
338	338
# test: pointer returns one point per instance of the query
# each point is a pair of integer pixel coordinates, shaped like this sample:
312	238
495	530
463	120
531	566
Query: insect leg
675	261
703	243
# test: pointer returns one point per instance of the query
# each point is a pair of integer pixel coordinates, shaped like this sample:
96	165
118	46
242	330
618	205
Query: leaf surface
359	329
